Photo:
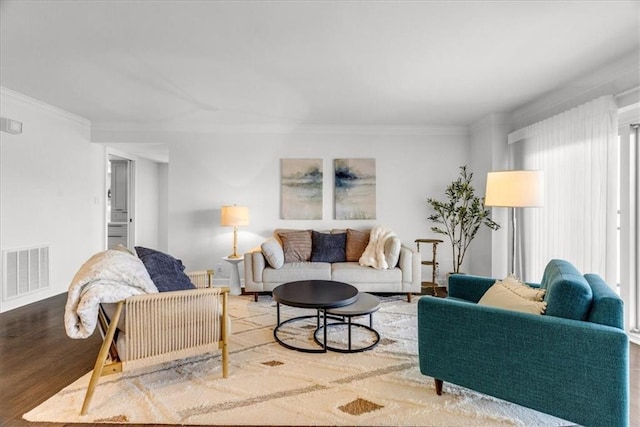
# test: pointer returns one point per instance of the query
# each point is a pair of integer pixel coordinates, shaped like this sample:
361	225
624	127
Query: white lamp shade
515	189
234	215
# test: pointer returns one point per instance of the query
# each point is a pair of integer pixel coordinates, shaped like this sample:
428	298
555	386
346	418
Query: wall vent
26	270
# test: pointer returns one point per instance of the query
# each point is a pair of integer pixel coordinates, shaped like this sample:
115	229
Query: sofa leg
255	297
438	386
409	297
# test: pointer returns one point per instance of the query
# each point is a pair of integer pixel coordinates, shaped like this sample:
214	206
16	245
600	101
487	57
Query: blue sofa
572	362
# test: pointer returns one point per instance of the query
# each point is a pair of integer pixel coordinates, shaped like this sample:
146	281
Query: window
592	206
577	151
628	231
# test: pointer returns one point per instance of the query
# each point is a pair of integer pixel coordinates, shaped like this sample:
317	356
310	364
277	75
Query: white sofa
404	277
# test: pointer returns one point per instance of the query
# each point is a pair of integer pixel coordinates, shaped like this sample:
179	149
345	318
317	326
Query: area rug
271	385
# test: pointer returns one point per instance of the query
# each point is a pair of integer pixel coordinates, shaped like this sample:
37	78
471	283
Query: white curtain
577	152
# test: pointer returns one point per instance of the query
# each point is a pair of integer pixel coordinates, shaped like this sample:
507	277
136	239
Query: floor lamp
234	216
514	189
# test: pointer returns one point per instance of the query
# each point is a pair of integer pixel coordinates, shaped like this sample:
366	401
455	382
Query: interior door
119	203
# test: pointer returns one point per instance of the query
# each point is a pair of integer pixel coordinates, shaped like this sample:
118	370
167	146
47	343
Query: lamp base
233	256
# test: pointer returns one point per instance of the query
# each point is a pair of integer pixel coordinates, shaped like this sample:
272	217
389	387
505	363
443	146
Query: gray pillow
392	251
328	247
273	253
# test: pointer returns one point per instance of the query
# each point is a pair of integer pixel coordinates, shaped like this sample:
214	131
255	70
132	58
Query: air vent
26	270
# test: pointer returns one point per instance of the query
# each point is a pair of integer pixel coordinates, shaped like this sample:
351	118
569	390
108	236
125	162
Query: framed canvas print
301	188
355	188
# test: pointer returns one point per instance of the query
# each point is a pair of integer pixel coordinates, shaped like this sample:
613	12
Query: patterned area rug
271	385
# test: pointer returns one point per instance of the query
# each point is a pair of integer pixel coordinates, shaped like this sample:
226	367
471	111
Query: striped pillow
296	245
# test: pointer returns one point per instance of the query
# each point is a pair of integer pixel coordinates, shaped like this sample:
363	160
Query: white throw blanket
107	277
373	255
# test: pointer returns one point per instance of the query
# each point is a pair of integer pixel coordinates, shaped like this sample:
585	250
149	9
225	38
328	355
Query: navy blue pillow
166	272
328	247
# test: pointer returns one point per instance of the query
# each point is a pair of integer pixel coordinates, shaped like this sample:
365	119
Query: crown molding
489	121
629	115
285	129
384	130
617	77
43	106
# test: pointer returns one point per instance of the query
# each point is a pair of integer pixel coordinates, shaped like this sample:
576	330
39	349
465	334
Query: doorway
120	202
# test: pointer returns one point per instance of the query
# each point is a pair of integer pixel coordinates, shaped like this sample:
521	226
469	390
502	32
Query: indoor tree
460	216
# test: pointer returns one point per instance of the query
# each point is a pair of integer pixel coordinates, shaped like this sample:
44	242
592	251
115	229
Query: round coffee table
320	295
365	304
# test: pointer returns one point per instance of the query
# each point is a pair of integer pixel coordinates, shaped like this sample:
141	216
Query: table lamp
514	189
234	216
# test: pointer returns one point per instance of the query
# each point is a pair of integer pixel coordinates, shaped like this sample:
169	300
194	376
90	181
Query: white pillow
501	296
273	253
392	251
522	289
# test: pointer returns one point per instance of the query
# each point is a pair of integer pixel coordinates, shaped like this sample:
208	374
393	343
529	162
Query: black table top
320	294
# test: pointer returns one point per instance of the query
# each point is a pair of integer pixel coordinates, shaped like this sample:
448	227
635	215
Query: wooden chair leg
225	347
438	387
409	297
225	360
255	297
101	359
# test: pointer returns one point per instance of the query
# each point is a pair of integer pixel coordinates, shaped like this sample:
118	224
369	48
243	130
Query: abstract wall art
301	188
355	188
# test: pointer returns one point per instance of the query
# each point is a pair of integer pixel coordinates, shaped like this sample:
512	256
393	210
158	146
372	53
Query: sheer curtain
577	152
629	223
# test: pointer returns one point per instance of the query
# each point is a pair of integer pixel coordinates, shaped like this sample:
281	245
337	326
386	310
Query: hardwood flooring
37	359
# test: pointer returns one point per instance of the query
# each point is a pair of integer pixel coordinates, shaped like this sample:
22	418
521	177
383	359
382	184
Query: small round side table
234	280
365	304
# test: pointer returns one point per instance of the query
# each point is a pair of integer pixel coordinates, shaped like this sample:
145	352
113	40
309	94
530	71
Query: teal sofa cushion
568	292
607	308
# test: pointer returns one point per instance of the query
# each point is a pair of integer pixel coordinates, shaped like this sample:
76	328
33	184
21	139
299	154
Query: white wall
163	207
147	203
209	171
489	250
51	189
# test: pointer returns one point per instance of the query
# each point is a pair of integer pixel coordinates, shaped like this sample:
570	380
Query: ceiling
204	64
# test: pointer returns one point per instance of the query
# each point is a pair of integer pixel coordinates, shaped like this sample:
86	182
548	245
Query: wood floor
37	359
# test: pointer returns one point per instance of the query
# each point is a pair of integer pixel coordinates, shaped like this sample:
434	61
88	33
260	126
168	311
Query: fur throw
107	277
373	255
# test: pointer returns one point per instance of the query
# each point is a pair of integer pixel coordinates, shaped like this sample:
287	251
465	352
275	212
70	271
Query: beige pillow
296	245
525	291
501	296
357	241
273	253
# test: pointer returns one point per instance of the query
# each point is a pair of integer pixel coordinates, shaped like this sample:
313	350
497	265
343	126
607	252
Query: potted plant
461	216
